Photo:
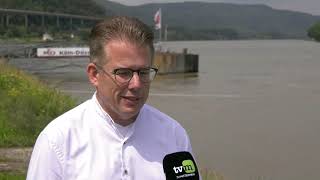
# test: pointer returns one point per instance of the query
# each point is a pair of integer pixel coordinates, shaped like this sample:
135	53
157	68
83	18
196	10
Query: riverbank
14	160
3	60
27	106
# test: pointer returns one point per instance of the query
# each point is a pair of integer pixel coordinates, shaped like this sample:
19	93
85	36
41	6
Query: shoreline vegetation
26	107
25	40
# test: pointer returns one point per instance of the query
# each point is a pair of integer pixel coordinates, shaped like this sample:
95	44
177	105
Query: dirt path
14	159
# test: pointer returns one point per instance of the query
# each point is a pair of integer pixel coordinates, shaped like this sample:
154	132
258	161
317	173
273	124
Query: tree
314	31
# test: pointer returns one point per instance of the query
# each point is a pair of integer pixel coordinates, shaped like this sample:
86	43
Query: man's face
123	101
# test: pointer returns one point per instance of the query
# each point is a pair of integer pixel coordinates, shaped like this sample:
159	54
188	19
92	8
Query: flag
157	19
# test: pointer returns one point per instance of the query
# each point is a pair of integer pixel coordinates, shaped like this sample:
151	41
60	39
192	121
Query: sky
307	6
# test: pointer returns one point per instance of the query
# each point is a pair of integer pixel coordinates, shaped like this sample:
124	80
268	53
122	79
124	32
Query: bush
26	107
314	31
16	31
84	34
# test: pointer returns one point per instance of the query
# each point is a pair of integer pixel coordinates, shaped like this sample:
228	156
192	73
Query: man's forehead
118	45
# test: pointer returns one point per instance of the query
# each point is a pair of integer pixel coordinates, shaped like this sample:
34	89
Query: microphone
181	166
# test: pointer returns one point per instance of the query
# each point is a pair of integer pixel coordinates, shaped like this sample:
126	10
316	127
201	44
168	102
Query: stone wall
168	62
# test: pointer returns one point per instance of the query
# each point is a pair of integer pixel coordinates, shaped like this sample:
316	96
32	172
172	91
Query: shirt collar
129	130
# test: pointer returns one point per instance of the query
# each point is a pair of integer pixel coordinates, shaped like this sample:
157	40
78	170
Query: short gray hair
120	28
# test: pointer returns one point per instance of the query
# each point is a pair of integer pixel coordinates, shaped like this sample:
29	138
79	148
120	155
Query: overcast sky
308	6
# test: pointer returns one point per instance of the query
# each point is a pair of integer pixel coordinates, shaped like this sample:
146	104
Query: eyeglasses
124	75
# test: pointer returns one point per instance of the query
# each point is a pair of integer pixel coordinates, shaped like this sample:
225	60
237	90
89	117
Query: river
252	111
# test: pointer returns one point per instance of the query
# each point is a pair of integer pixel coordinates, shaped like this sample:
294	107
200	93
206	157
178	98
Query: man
114	135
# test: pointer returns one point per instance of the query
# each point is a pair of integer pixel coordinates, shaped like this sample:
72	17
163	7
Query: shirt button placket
125	171
125	174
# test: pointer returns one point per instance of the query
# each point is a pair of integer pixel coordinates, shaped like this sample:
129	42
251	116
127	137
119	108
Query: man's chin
130	109
130	112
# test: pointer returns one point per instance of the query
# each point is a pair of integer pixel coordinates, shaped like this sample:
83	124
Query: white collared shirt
85	143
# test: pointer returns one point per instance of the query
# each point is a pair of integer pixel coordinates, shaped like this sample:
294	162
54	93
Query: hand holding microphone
180	166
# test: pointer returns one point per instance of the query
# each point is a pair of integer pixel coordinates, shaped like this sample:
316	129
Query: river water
252	111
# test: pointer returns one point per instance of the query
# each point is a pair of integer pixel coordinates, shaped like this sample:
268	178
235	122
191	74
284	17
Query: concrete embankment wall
169	62
3	60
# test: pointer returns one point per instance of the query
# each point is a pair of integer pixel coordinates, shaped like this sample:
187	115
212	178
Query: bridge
6	14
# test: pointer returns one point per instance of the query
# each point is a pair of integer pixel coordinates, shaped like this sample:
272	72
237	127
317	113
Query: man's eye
144	73
123	73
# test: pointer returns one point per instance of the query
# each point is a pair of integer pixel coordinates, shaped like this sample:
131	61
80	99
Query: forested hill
80	7
190	20
200	20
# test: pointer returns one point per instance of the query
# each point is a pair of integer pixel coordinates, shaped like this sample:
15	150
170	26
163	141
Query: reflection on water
252	110
175	82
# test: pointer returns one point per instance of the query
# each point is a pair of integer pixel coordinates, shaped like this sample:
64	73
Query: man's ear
92	72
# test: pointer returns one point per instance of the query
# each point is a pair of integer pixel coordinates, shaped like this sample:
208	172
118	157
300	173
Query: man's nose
135	81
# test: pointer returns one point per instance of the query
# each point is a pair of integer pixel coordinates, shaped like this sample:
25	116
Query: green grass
11	176
26	107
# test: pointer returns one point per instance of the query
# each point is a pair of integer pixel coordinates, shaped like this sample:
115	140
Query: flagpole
160	25
160	35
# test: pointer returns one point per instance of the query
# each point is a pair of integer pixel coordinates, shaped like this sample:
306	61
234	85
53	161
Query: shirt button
125	172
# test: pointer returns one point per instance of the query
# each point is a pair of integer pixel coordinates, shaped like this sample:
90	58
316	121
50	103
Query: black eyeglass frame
115	73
